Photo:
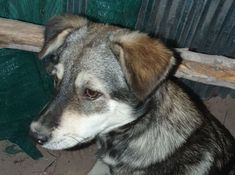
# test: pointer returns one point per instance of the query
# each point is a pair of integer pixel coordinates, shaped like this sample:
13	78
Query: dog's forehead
86	46
91	55
99	59
73	46
101	62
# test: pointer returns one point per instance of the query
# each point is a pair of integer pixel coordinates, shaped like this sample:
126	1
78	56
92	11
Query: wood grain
20	35
208	69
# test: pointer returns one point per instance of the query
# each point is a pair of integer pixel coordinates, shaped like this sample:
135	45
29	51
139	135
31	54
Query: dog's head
104	75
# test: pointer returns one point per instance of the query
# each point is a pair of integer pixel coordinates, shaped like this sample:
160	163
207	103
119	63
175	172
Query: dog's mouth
77	128
66	141
56	139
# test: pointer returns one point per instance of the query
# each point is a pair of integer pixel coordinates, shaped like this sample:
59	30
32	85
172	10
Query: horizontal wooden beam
20	35
208	69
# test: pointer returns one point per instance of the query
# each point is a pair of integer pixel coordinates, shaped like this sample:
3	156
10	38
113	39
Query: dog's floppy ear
57	29
145	61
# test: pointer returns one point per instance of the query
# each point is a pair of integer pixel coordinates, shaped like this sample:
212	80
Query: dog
115	86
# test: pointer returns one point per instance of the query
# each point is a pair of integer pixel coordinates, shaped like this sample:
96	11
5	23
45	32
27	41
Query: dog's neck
142	108
153	134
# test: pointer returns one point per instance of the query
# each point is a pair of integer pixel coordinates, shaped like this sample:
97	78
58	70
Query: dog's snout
39	133
39	137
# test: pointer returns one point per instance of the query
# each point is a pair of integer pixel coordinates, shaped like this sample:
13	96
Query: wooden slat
20	35
208	69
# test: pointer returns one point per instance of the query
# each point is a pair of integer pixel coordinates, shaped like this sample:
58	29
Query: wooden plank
208	69
20	35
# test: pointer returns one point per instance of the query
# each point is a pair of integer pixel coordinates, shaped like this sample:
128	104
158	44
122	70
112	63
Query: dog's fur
113	85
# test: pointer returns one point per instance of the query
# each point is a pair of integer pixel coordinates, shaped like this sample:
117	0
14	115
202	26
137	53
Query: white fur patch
78	128
109	160
58	71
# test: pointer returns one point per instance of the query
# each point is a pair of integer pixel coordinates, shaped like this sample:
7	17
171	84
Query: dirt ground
80	161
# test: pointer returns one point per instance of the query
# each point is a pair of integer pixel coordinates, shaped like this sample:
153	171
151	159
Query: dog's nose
39	137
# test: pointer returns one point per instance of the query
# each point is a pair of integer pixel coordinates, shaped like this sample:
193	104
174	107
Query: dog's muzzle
40	132
38	137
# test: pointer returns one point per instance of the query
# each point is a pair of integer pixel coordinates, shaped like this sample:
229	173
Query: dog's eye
91	94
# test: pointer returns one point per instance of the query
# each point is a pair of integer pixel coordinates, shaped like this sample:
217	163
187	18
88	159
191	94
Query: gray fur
163	134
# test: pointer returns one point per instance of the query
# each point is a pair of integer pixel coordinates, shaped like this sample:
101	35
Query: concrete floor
53	162
224	111
80	161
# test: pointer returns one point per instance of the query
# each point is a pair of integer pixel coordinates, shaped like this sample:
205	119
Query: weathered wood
208	69
20	35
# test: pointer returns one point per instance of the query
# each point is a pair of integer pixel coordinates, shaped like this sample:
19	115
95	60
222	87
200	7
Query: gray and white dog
114	85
